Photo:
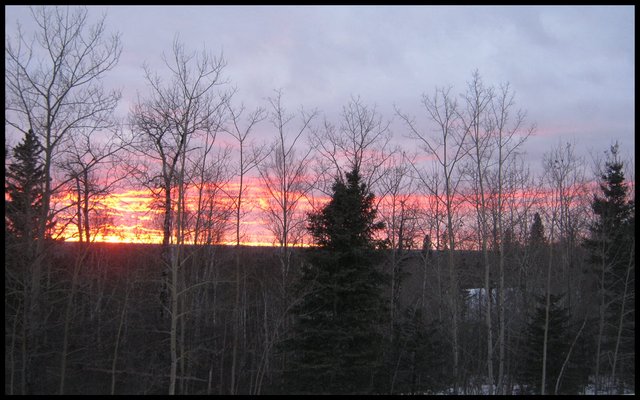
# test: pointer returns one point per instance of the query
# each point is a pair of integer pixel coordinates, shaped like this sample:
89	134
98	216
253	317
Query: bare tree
83	160
284	177
361	141
562	178
53	87
172	116
509	135
91	165
433	223
477	100
168	121
211	174
53	81
249	157
399	210
449	149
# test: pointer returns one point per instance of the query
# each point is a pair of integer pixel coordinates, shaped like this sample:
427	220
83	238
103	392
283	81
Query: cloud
572	68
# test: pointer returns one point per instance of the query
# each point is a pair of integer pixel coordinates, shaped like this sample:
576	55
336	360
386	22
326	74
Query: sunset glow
132	216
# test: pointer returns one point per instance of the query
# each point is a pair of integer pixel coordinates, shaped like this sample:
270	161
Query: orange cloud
130	216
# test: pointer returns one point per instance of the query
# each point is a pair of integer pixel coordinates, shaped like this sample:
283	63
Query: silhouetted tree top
349	219
24	185
337	340
536	237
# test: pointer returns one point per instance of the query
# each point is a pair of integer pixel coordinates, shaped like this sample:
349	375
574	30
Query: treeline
500	280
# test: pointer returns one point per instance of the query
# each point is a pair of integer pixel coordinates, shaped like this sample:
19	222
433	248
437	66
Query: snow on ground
517	390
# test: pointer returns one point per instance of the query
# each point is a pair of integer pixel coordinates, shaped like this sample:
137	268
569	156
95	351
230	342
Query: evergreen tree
559	340
24	184
536	237
416	361
337	340
614	215
610	247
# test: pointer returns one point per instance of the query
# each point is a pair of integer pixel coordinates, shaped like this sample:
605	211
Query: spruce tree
559	342
416	359
611	254
611	238
536	237
24	184
337	337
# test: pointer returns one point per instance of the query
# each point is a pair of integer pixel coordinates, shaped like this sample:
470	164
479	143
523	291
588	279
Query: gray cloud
572	68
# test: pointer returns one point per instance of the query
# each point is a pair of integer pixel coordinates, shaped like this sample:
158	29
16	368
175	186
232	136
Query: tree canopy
337	338
24	184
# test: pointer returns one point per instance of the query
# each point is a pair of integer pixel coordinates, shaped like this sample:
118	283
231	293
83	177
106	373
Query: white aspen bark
601	321
443	111
501	316
546	318
454	292
246	164
482	232
236	312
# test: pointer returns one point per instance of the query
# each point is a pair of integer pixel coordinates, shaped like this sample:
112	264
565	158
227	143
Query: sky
572	68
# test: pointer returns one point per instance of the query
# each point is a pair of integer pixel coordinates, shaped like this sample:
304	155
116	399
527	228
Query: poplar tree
337	340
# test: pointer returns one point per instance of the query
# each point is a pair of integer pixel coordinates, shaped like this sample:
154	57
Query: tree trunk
546	318
601	322
566	360
174	325
454	299
12	363
501	288
117	344
630	265
85	204
68	316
